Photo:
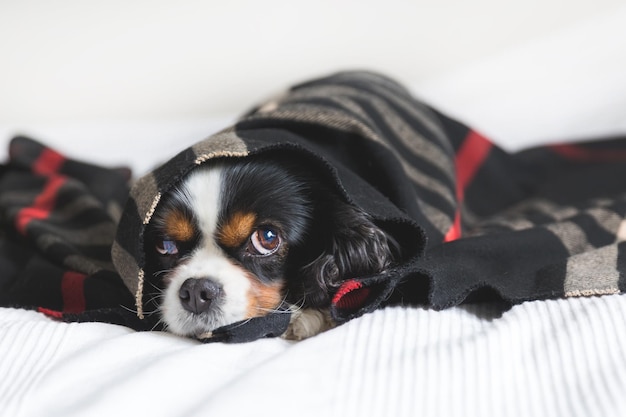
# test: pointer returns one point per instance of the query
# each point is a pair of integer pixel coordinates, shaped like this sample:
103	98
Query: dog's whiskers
291	307
156	297
132	310
145	313
159	322
161	272
275	310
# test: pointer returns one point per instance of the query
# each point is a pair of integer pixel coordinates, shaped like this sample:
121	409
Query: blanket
474	222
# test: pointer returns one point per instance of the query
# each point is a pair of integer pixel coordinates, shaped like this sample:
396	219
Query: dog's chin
183	323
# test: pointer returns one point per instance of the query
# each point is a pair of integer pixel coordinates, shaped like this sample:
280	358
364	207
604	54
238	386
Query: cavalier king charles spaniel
239	238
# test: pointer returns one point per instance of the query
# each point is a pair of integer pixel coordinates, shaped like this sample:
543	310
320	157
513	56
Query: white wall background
134	81
148	59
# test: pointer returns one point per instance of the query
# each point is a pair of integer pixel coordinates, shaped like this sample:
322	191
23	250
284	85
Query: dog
238	238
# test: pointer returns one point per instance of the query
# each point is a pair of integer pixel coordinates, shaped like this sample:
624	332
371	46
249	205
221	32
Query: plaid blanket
475	223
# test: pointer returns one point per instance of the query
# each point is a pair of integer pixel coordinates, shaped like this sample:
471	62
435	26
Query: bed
541	358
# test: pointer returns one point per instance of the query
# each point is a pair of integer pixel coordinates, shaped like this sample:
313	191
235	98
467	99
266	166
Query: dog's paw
308	322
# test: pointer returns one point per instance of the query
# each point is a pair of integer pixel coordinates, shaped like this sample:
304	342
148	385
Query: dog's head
239	237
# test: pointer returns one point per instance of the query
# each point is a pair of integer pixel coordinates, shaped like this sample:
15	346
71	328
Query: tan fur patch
237	229
263	298
179	227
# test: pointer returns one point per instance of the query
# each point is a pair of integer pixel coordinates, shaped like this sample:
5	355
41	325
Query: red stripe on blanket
42	205
351	295
50	313
469	158
49	162
72	290
582	154
455	230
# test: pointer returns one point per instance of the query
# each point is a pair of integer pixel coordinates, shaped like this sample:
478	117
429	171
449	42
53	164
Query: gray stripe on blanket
223	144
592	273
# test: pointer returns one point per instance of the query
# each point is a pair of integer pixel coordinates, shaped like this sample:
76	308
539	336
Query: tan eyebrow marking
237	229
179	227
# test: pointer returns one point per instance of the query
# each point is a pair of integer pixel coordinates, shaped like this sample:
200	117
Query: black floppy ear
353	246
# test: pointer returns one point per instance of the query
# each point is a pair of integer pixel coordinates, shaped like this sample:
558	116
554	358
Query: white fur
308	322
203	191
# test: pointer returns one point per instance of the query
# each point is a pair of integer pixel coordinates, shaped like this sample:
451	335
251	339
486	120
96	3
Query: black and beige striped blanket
476	224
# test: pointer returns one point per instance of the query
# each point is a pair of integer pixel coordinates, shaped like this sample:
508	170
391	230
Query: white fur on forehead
203	190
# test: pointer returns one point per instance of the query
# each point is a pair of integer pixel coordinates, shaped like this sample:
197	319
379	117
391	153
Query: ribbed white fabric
545	358
553	358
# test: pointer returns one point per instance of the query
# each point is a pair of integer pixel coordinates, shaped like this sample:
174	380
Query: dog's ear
353	246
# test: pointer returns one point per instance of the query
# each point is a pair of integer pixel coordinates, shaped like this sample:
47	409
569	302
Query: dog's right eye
167	247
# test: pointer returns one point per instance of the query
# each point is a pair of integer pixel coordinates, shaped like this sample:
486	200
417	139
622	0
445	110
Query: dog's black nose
197	294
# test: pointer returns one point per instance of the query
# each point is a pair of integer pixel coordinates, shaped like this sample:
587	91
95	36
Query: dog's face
237	238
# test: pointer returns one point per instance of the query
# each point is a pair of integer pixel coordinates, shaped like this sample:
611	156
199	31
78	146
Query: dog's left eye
167	247
265	241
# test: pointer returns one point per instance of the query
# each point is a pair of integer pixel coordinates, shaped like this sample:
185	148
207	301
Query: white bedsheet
552	358
547	358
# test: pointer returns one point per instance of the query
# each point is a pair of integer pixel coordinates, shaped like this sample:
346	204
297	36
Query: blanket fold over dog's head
347	150
471	220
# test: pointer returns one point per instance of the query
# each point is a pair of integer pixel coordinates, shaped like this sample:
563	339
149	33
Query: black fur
352	246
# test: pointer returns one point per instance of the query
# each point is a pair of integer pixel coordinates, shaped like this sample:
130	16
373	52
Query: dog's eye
167	247
265	241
